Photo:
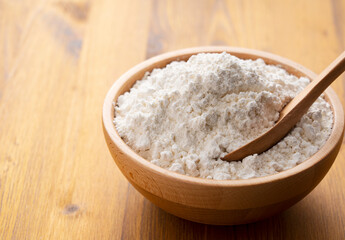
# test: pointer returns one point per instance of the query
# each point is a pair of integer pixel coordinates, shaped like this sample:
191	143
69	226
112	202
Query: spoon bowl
222	202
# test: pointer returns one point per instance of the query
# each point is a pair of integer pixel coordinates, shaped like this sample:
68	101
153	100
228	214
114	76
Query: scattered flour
184	117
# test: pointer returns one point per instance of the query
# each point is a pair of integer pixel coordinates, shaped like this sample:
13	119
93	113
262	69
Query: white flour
187	115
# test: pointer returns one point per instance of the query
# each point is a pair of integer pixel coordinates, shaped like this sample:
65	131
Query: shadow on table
302	221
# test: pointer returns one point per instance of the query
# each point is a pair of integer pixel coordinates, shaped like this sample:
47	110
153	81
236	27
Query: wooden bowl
221	202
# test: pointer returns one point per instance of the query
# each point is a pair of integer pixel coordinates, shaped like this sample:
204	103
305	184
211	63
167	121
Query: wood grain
58	59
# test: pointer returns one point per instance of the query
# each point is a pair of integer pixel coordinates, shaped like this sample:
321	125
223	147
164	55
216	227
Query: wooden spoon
291	113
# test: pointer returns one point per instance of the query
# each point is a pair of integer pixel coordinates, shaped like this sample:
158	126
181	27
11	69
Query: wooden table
58	59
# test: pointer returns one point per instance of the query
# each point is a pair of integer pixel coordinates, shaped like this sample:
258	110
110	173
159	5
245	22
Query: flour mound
188	115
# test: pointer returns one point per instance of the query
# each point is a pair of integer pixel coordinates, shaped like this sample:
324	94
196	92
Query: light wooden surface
58	59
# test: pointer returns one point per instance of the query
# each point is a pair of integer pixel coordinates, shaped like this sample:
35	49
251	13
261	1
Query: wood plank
53	101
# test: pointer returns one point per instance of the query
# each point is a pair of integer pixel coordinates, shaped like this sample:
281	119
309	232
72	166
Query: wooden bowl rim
292	67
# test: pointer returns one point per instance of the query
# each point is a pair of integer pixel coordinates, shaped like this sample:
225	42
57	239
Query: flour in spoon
188	115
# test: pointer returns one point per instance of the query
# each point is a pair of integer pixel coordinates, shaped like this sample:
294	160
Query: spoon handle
301	103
